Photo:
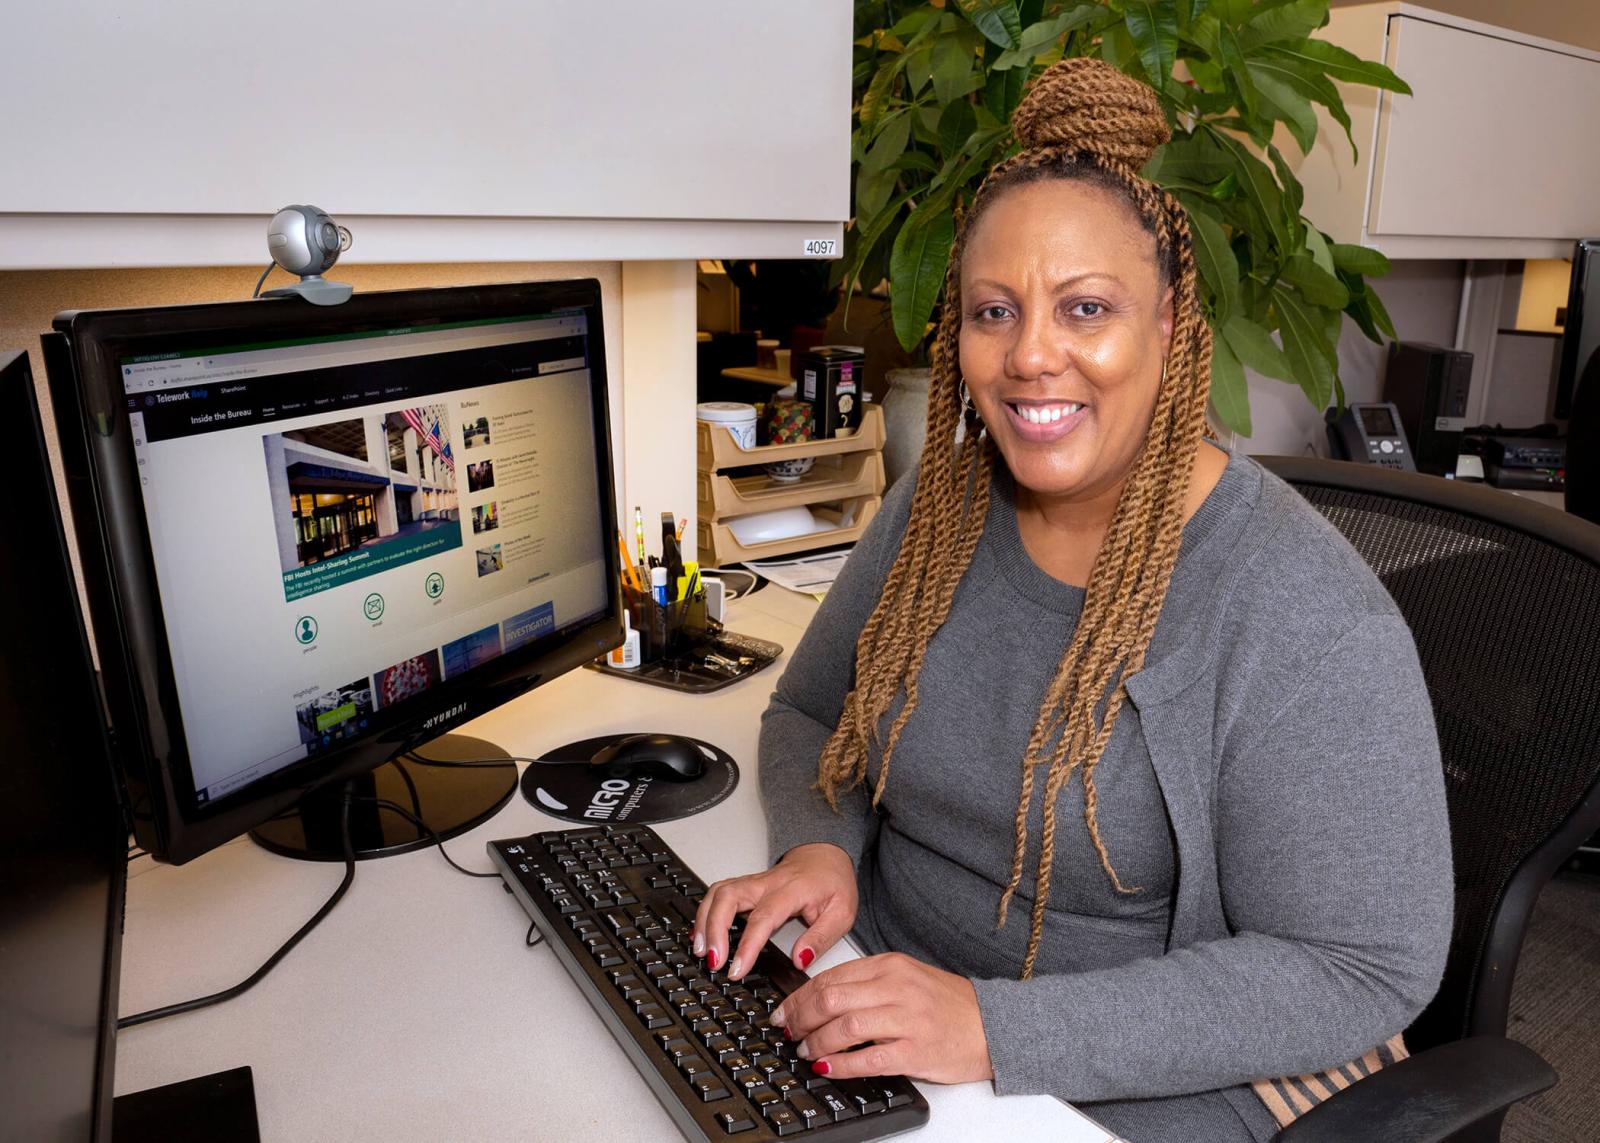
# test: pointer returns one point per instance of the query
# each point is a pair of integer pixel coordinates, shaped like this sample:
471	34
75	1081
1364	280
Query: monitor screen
359	524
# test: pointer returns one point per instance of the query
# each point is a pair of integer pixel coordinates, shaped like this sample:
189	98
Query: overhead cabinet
506	130
1491	157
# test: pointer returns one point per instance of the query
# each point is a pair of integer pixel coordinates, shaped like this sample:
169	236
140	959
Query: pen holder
671	631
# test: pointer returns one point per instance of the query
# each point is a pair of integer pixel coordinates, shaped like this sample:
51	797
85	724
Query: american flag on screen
413	417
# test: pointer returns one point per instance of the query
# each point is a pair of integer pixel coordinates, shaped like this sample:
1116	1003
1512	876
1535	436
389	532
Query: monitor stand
451	799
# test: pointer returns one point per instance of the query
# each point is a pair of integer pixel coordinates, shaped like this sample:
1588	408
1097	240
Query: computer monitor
315	538
64	850
1580	336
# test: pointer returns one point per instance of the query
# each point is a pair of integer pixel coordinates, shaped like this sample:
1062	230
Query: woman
1125	683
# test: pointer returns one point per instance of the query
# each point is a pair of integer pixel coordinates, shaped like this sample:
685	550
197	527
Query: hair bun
1088	105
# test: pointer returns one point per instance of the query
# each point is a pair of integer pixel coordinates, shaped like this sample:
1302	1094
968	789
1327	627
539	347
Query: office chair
1503	598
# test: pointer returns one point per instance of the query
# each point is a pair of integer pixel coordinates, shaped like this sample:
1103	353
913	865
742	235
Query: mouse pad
564	785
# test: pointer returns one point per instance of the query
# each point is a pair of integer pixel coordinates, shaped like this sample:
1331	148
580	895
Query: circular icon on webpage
305	630
373	607
434	585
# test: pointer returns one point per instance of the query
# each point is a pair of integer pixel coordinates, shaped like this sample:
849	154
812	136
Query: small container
735	416
767	353
782	364
627	655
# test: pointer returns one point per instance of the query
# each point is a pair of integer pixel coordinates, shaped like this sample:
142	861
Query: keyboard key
709	1087
734	1122
692	1066
761	1095
654	1017
784	1082
737	1062
833	1100
808	1109
783	1120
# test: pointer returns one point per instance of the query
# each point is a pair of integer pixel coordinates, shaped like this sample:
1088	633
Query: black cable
255	977
386	804
262	280
135	854
534	936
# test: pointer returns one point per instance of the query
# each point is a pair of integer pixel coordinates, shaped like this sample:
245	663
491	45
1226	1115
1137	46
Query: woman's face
1064	328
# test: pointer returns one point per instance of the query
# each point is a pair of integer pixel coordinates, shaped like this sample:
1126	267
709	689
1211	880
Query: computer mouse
653	756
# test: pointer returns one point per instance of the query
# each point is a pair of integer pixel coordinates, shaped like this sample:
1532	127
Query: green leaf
1195	157
1230	393
1233	60
1004	91
1334	61
889	145
1259	187
1294	195
1284	102
1233	11
1317	286
1153	25
1254	346
1216	262
916	270
1044	36
1116	48
956	122
874	101
953	77
1305	345
1309	81
998	20
1317	247
913	22
914	160
1359	259
1294	20
1380	313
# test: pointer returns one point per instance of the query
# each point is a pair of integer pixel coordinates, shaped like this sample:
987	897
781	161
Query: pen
638	529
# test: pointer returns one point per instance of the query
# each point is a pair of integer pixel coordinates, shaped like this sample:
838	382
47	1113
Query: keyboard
615	904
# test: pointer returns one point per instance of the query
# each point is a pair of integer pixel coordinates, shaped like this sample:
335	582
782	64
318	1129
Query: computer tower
1429	384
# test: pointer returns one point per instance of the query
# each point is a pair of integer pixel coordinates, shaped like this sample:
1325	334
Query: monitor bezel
1570	368
119	559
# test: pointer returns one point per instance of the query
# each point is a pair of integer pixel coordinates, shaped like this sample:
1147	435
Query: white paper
809	575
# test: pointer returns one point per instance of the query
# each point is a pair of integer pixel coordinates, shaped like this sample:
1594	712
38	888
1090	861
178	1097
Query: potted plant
935	85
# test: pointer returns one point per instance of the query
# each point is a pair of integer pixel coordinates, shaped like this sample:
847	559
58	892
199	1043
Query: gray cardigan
1283	714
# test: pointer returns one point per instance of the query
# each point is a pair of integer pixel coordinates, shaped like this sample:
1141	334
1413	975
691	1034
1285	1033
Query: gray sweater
1273	787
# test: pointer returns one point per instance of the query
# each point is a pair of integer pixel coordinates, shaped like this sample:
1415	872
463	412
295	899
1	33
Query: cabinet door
556	109
1497	141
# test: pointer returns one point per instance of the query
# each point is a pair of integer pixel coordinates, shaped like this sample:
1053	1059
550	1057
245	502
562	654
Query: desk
415	1012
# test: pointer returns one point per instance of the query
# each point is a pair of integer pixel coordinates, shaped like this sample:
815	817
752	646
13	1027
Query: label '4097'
822	247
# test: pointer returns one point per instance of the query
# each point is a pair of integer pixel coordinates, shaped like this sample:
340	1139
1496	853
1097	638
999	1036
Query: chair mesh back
1508	630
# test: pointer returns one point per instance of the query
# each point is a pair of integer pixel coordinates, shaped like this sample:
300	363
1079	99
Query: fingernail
822	1067
733	967
802	1051
699	943
805	957
788	1032
712	958
775	1018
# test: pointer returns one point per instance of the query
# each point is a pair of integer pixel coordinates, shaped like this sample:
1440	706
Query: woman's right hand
816	883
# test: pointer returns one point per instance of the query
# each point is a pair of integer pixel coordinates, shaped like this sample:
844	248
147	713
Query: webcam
306	241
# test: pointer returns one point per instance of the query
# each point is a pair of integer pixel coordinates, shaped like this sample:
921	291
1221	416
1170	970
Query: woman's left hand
922	1022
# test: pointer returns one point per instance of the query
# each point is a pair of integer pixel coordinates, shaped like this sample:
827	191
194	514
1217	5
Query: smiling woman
1084	607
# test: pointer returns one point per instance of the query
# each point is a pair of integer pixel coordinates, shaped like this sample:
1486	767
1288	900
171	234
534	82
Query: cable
262	280
135	854
384	803
534	936
255	977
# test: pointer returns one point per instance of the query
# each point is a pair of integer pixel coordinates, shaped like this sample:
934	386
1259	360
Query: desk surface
415	1011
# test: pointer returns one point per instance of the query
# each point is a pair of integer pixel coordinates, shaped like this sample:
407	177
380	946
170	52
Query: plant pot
905	417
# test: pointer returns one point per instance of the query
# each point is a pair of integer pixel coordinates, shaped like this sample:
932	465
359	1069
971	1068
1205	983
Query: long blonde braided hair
1084	121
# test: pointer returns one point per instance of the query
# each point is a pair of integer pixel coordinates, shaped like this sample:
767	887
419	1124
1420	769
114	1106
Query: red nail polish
822	1067
788	1033
711	957
805	957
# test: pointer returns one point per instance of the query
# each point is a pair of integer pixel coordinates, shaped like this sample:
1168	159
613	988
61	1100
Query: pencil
628	574
638	530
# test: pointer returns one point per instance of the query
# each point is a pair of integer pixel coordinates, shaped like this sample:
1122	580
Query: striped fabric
1291	1097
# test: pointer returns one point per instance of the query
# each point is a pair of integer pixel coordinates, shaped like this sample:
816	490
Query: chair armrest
1428	1097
